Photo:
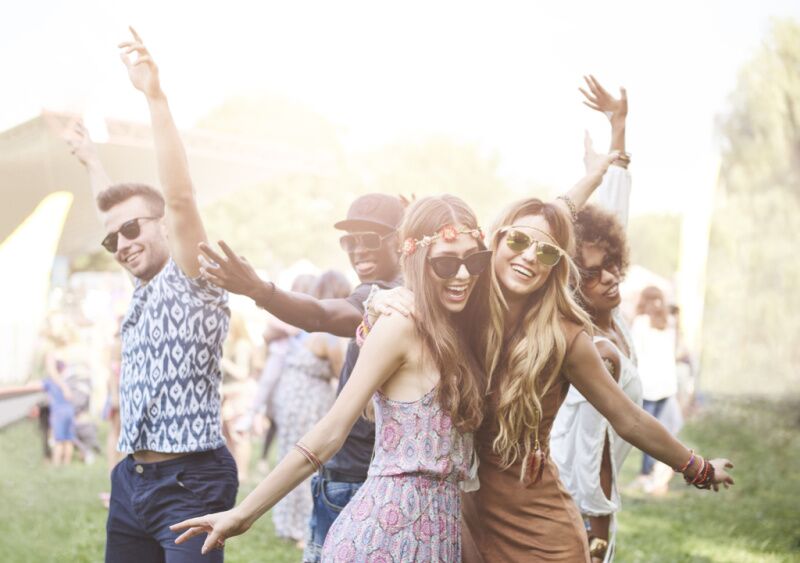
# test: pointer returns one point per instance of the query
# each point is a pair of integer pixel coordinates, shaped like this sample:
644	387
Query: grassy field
47	514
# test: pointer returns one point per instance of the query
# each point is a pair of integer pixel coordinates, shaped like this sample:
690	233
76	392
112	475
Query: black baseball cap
371	210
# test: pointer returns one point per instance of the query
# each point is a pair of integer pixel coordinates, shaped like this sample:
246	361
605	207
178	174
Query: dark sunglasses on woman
129	229
447	267
368	241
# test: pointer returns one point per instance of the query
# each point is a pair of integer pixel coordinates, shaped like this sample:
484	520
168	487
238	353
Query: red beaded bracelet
688	463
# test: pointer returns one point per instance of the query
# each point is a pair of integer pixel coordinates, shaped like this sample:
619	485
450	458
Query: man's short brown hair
116	194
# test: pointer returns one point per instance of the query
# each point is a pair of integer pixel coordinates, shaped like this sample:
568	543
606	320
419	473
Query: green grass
756	520
53	514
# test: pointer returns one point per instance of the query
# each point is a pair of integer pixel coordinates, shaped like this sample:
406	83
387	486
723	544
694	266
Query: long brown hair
445	335
531	356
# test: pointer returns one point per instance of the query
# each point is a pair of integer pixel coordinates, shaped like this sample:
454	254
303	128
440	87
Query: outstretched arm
596	166
185	228
585	371
378	360
616	109
615	191
86	152
234	273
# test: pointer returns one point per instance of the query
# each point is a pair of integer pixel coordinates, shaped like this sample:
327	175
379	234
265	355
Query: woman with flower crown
424	386
537	344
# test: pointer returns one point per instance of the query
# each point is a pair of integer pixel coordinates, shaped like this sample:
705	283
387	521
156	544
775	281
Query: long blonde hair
531	354
460	389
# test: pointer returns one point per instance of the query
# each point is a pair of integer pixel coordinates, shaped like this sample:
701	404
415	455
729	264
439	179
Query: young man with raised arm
177	464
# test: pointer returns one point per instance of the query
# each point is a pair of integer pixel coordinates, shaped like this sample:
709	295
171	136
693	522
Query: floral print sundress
409	508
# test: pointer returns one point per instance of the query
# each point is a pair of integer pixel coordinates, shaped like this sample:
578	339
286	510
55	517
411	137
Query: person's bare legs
69	448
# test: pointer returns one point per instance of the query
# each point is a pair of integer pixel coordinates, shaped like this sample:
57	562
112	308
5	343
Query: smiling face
600	287
453	292
521	273
146	254
381	264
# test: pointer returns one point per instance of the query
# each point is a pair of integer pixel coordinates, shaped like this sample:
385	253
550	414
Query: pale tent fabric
26	259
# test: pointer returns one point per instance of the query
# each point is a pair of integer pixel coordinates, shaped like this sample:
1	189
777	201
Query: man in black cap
372	244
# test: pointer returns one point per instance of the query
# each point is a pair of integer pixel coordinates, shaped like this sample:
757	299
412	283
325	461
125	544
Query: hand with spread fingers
143	71
81	145
593	161
231	272
721	476
219	527
596	163
600	100
390	301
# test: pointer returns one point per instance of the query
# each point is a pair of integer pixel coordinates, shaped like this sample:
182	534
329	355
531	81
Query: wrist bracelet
688	464
309	455
571	205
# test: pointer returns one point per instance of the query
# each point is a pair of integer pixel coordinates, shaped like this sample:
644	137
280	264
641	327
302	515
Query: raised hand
600	100
219	527
596	163
231	272
143	72
81	145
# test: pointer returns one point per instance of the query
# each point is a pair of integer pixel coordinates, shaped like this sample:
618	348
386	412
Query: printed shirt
170	376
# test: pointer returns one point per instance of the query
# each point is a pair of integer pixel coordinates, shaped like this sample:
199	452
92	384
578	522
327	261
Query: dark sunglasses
447	267
129	229
591	276
546	253
368	241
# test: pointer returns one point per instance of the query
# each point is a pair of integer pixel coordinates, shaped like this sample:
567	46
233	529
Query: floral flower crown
449	233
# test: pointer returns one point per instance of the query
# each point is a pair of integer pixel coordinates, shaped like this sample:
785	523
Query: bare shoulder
396	326
571	331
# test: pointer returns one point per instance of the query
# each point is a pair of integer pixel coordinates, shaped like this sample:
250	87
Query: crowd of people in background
474	397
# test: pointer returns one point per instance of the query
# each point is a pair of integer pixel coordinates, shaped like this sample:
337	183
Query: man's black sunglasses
129	229
447	267
367	241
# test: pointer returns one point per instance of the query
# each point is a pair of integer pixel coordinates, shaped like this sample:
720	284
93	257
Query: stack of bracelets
309	455
703	478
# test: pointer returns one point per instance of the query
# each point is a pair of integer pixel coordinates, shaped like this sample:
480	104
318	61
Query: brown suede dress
511	521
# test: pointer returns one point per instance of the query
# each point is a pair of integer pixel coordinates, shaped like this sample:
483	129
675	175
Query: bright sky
502	75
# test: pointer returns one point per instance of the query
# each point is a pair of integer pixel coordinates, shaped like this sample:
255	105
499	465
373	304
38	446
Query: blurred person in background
277	338
589	453
238	387
655	338
304	393
676	408
172	338
373	247
60	349
111	406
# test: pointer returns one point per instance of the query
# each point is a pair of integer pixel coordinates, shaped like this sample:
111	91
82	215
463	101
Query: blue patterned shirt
172	341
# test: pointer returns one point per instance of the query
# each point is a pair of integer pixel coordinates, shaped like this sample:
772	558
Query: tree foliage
751	328
291	217
654	240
